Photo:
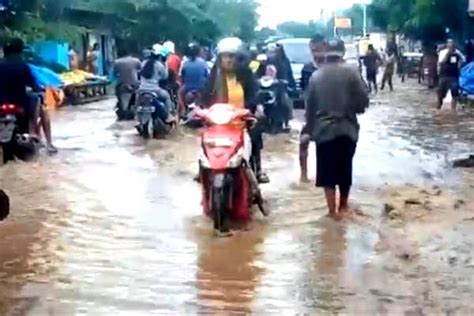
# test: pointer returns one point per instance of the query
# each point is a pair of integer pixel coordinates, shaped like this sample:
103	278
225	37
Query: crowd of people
335	93
440	67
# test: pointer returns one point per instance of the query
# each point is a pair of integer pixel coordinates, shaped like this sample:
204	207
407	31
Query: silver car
298	52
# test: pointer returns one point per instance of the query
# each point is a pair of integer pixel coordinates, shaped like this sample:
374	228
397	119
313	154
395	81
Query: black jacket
306	73
15	77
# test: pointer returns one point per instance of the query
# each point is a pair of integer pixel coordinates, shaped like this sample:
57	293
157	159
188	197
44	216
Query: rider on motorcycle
278	58
233	82
15	79
126	70
173	61
194	73
153	72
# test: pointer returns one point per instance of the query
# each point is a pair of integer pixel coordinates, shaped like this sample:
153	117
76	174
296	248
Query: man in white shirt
449	64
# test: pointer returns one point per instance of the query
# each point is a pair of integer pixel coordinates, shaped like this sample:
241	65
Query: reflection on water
228	274
113	226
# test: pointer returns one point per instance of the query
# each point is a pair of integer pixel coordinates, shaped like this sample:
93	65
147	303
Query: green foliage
356	14
40	20
181	20
304	30
426	20
139	23
265	33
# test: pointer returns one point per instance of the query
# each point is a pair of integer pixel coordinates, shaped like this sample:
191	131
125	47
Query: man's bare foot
223	234
348	211
51	149
304	179
334	216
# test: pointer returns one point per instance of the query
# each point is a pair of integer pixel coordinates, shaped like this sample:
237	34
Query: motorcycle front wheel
221	204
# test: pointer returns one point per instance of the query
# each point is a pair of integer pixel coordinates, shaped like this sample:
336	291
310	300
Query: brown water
113	226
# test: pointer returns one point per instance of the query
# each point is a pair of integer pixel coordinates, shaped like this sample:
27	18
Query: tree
265	33
234	17
139	23
37	20
300	29
425	20
356	14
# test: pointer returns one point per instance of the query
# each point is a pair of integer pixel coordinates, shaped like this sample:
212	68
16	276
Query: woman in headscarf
153	72
277	57
232	81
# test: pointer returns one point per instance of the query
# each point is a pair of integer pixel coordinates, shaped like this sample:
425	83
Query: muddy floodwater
112	225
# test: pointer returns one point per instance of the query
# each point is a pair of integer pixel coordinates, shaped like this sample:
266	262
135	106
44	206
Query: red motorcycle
229	186
15	142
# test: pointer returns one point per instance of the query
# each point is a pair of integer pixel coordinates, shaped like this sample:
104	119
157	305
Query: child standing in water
317	47
305	140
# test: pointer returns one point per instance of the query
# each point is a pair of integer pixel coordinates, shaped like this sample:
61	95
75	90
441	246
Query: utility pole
364	31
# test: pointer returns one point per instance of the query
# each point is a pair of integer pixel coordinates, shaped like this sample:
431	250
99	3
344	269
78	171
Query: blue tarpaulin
46	77
466	80
54	52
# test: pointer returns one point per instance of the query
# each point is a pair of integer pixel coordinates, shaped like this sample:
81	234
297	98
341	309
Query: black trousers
256	137
334	163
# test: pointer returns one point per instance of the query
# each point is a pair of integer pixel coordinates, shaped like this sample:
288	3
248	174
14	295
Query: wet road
112	225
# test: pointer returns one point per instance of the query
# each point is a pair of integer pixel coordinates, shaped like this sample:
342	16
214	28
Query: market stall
82	87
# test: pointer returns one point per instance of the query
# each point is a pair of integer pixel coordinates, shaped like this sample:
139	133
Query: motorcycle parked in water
126	96
15	141
229	186
151	116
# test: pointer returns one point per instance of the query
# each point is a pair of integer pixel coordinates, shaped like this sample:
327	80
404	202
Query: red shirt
174	64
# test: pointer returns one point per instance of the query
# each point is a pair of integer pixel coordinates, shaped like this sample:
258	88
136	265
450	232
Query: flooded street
112	225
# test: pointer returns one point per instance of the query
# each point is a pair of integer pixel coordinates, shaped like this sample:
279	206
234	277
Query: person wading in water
335	96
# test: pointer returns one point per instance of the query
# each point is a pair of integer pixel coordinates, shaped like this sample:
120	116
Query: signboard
342	23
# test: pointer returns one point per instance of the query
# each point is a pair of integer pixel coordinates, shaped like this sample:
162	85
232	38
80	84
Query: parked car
297	50
412	65
352	55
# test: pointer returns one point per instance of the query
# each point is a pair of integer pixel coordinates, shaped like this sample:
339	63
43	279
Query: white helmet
272	47
262	58
170	46
229	45
157	49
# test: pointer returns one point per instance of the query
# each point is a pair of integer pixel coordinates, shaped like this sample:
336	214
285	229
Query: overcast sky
273	12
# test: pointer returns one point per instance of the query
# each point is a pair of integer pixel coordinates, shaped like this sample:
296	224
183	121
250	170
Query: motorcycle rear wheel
159	128
145	130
